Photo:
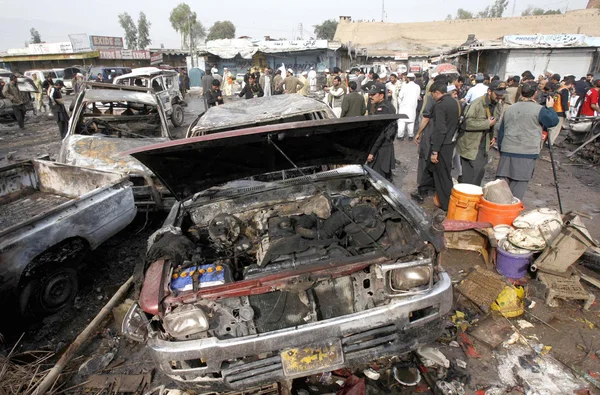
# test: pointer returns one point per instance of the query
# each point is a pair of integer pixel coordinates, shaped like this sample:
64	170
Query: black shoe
416	196
401	138
410	138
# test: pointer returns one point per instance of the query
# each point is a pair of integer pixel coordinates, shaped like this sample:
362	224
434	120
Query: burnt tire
177	115
49	291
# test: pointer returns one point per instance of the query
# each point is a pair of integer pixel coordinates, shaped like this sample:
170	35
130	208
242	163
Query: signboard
80	42
124	54
292	45
105	42
401	56
156	58
544	40
414	68
48	48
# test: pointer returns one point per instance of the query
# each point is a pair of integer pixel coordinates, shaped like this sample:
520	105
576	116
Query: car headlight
402	278
185	320
135	324
411	278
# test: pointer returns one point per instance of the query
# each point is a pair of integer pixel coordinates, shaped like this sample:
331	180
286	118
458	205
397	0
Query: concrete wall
444	34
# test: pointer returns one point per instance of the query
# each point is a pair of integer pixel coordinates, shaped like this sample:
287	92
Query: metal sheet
93	95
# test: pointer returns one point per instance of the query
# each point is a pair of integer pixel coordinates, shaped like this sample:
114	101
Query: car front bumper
397	328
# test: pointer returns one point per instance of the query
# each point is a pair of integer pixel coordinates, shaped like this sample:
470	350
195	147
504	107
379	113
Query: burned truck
284	257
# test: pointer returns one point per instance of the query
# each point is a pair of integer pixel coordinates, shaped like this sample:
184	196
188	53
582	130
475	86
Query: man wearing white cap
291	84
216	76
408	99
227	82
304	90
312	79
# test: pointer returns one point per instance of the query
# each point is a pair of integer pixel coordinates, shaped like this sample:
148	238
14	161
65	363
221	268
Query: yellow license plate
304	360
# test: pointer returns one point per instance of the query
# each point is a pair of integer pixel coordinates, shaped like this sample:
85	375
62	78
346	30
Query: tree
143	31
35	36
183	20
131	31
221	30
326	30
534	11
463	14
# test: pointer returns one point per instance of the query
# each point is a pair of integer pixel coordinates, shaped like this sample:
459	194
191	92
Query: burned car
285	257
165	83
110	119
267	110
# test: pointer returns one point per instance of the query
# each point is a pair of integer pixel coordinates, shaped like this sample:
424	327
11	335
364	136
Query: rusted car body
50	215
110	119
261	111
272	268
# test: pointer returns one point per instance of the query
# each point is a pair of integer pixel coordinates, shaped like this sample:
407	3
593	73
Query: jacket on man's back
445	119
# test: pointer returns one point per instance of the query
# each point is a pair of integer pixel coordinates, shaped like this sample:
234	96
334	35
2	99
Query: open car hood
192	165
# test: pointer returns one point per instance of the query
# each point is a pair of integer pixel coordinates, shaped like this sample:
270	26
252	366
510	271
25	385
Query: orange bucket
463	202
498	214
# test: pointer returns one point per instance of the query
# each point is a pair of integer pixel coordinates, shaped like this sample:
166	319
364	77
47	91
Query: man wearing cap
216	76
214	97
227	82
304	90
265	82
78	84
312	79
58	108
479	133
11	91
291	84
408	101
353	104
480	89
393	87
382	156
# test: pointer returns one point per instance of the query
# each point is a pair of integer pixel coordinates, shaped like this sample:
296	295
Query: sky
277	19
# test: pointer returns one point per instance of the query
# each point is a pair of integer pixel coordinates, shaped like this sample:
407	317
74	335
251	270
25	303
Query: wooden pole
54	373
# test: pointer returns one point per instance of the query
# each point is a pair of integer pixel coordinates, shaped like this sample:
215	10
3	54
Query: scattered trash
512	340
114	383
461	364
372	373
498	191
482	287
510	302
459	320
532	304
467	346
406	375
492	331
454	344
95	364
524	324
528	362
431	356
452	388
565	288
353	386
590	324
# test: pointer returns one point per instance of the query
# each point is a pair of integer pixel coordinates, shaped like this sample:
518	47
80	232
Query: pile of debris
591	152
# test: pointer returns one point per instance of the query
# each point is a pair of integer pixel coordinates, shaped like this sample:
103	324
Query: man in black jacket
382	156
251	89
214	97
445	124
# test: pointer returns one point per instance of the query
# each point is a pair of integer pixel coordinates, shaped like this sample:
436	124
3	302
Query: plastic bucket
512	265
498	214
463	202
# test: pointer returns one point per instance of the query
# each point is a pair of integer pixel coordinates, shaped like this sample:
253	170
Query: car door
159	88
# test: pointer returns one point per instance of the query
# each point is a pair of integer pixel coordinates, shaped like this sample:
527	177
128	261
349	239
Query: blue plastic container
512	265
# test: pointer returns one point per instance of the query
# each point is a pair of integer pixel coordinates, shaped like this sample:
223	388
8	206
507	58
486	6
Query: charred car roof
136	96
146	72
192	165
258	110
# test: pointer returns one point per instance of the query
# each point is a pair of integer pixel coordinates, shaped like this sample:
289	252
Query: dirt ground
572	333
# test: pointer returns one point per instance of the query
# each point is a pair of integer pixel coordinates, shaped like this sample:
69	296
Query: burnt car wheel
49	292
177	115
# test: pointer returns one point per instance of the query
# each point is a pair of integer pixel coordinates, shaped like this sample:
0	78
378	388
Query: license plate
304	360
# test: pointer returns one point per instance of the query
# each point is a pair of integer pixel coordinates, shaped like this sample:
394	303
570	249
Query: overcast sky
279	19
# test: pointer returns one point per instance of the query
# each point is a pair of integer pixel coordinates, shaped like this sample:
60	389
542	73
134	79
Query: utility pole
514	6
382	9
190	45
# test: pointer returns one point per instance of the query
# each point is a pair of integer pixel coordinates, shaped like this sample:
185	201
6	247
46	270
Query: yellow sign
55	56
302	361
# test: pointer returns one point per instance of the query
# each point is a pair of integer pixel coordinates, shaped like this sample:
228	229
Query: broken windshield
119	119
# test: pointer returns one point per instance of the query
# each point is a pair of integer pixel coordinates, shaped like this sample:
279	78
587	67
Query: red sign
100	42
124	54
156	58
